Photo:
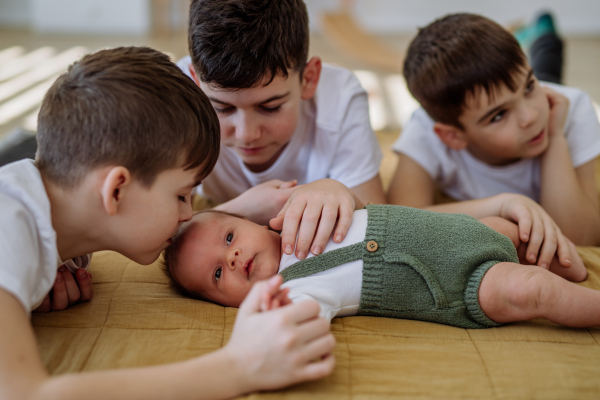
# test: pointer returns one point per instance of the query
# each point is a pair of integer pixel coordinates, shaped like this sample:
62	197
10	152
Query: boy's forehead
480	100
261	93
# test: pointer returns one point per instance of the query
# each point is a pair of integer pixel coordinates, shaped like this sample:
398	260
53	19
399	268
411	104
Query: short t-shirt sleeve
419	142
582	128
21	271
358	156
328	301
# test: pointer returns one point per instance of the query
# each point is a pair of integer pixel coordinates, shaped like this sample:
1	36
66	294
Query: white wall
91	16
15	13
573	17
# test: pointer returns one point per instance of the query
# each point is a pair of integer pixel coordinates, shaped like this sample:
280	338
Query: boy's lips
250	151
537	139
248	267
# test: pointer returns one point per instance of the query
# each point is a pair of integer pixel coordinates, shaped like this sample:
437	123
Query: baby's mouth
248	267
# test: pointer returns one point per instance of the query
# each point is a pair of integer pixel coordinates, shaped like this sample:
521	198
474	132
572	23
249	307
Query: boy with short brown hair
124	137
283	117
488	128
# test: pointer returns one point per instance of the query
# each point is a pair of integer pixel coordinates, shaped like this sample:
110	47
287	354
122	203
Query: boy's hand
559	109
67	290
315	209
277	348
538	229
261	202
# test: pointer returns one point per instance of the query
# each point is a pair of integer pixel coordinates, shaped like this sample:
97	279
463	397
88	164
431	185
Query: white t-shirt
28	253
333	139
463	177
337	290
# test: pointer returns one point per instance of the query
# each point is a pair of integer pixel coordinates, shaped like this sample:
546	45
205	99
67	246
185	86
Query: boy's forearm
562	196
208	377
22	375
479	208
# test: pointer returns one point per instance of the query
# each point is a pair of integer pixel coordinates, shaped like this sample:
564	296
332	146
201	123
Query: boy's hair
170	262
456	54
128	106
237	43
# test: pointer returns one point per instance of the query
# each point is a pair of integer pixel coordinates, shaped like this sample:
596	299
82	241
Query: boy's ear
310	78
451	136
112	188
193	74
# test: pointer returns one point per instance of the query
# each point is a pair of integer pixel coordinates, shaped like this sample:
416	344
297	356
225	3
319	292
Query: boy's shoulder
339	91
22	181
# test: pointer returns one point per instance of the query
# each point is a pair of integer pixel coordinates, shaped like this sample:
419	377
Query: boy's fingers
318	369
329	216
45	306
547	251
60	301
300	313
535	240
524	221
288	184
291	223
566	251
73	293
308	228
346	213
84	282
318	348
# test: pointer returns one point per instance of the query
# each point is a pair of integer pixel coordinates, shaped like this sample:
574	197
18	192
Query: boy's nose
246	130
186	212
232	258
529	115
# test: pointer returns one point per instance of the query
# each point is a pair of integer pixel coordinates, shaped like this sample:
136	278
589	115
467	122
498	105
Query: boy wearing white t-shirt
488	126
123	138
282	118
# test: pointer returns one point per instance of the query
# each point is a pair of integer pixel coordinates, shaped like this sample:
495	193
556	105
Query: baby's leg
576	272
512	292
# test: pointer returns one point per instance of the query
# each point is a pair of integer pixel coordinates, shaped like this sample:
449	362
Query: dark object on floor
19	144
546	58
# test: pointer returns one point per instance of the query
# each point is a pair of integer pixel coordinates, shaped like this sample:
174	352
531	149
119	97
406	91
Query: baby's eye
229	238
218	273
498	117
182	199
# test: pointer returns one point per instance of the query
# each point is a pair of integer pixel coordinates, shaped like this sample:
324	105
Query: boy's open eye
229	238
530	86
218	273
498	117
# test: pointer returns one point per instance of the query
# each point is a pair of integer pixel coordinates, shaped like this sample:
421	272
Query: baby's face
223	256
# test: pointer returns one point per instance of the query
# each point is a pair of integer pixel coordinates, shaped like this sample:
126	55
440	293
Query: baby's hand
538	230
67	290
270	301
314	209
559	109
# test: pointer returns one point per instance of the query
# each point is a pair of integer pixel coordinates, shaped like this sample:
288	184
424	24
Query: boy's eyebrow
493	110
193	185
270	99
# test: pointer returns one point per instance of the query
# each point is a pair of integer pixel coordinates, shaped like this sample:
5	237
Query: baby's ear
451	136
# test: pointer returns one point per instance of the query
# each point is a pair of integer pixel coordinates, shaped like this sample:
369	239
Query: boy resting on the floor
395	262
123	138
488	127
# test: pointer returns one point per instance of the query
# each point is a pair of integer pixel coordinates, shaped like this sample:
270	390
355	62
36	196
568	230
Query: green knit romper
419	265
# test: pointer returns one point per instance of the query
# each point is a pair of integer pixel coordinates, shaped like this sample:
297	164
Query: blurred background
40	38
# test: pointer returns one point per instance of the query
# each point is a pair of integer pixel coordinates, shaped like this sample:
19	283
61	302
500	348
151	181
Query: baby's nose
232	259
